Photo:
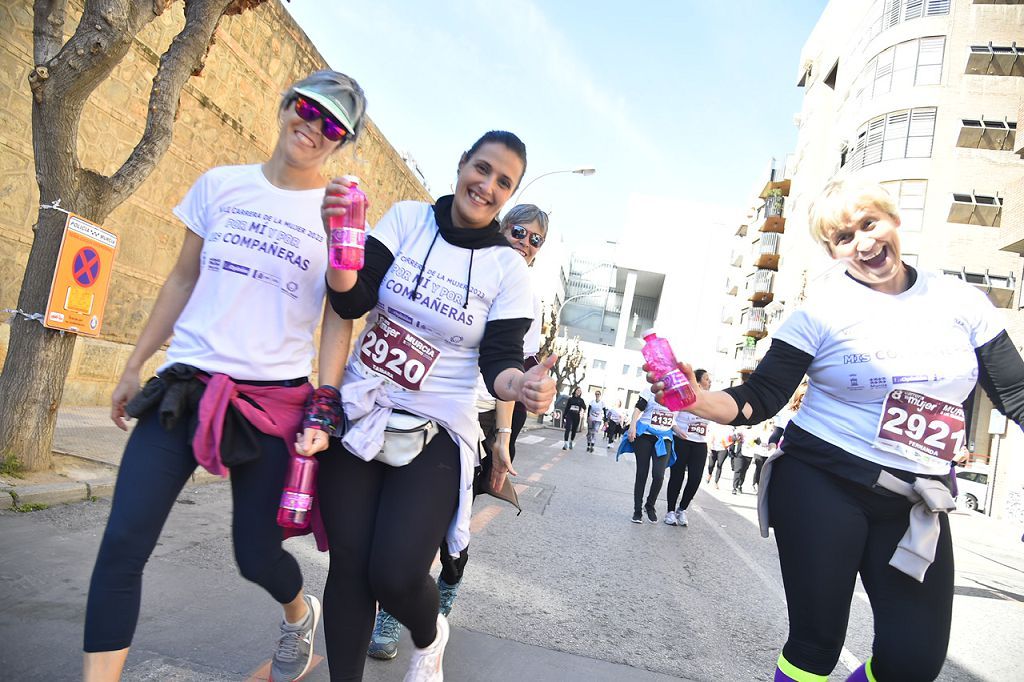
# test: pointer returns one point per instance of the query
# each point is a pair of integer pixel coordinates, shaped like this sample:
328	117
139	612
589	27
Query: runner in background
613	423
650	439
248	363
861	485
448	299
573	414
742	451
595	420
691	446
719	440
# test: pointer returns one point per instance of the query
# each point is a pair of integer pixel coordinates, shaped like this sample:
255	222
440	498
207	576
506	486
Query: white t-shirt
533	339
866	343
260	292
595	411
694	428
656	414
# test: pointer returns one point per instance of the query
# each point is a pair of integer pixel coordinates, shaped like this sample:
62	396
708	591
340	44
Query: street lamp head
586	172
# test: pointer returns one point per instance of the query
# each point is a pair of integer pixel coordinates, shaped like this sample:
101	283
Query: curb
49	494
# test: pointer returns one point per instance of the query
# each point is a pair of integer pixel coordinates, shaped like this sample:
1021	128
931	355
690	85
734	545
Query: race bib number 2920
920	427
395	353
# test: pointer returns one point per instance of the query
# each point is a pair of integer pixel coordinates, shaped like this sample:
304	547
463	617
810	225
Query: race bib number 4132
920	427
391	350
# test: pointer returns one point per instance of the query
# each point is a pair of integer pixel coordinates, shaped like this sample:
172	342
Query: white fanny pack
405	436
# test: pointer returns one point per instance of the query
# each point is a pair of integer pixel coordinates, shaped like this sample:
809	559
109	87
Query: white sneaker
425	664
670	518
681	517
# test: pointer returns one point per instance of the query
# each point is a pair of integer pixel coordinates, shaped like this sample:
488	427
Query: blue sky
674	98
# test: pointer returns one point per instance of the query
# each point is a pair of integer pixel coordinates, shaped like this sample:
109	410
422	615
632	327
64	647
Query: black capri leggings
647	460
384	525
828	530
155	466
572	423
689	464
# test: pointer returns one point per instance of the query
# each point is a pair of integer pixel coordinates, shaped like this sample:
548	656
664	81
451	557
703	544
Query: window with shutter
894	145
935	8
903	65
873	145
913	9
929	60
883	73
891	14
921	132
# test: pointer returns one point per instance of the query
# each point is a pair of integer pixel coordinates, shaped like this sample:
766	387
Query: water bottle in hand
661	360
348	232
299	489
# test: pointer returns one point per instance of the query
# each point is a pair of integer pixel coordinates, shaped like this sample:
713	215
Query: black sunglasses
518	232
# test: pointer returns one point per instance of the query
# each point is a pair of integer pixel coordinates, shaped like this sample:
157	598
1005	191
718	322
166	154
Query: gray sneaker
295	646
384	640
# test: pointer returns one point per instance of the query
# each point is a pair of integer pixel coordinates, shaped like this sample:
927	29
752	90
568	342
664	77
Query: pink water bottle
662	361
348	232
299	490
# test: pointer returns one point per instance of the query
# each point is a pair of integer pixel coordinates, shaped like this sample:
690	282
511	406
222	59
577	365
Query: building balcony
995	60
766	251
731	287
741	231
998	288
982	134
774	223
756	325
976	209
736	259
748	361
780	186
760	287
728	316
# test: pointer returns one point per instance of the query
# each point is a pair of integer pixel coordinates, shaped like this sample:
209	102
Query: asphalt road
568	590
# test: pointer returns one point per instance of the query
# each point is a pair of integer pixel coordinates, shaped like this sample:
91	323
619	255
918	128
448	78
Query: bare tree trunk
38	359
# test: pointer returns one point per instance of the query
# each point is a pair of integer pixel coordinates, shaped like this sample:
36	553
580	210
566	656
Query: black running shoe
637	517
652	515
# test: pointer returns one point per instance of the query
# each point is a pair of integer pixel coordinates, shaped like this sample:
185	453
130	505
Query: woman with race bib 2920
447	298
860	484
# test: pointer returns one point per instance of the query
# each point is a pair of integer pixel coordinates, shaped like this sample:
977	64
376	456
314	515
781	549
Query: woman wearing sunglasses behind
447	300
242	303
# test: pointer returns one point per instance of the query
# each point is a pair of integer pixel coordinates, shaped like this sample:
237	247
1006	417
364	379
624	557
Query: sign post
78	294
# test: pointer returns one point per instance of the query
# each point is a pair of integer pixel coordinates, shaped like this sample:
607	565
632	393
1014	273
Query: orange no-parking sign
78	294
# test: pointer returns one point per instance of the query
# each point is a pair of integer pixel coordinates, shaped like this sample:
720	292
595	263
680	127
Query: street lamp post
585	172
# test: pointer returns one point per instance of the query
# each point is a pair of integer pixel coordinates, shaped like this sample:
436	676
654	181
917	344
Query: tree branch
47	30
183	58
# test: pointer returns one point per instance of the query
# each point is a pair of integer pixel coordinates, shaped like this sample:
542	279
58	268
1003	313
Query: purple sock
861	674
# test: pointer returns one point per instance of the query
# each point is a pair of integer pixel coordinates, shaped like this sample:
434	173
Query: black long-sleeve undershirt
1001	374
772	384
501	347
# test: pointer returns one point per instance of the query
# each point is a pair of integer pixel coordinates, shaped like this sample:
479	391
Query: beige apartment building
923	96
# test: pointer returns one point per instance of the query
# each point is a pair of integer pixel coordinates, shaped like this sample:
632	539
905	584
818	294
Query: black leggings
571	424
828	530
155	466
384	525
643	450
689	464
716	461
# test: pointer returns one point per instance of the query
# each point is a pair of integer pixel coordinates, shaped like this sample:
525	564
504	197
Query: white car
973	488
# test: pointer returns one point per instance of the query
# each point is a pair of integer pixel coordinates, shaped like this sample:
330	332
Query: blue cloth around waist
663	444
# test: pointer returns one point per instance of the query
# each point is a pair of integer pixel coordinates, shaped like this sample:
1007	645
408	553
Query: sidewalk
87	450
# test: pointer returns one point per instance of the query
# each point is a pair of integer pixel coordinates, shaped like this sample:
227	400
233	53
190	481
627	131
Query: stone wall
228	115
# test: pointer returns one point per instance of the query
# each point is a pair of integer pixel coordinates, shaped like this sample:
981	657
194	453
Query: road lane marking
845	657
483	517
529	440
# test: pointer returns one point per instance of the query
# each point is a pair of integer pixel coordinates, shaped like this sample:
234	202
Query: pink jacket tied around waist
279	414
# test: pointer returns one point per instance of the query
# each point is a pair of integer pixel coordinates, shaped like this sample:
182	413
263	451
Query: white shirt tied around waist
498	289
866	343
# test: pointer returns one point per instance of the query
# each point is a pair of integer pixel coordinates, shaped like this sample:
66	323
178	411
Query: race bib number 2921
391	350
920	427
